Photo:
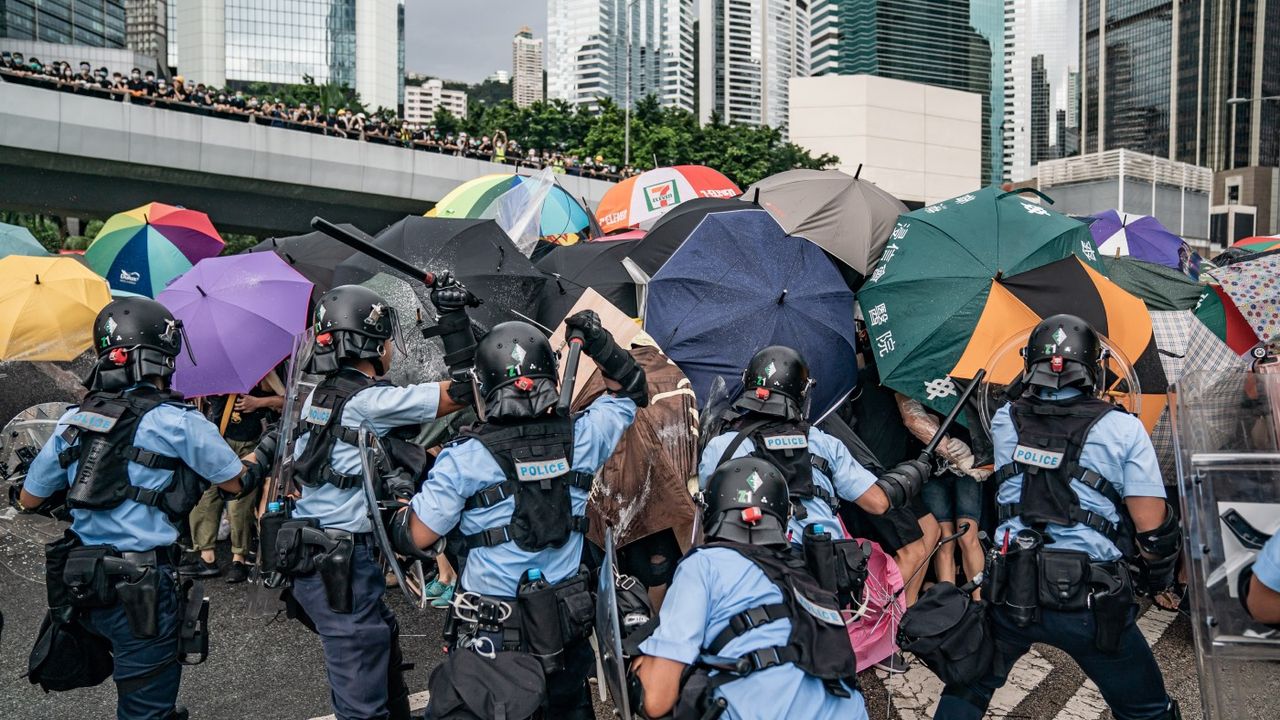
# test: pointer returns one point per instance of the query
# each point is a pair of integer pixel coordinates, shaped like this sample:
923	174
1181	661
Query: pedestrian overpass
81	156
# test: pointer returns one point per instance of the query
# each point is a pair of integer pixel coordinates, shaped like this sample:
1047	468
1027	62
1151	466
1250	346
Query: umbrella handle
575	340
359	244
951	416
1020	191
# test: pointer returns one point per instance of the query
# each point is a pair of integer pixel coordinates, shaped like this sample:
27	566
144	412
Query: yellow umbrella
47	307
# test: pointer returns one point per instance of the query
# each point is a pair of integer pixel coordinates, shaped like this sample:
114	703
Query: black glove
15	496
903	481
594	337
448	295
614	362
1155	576
258	470
399	485
402	538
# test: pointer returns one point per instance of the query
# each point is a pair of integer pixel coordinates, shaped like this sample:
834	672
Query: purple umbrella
1142	237
241	314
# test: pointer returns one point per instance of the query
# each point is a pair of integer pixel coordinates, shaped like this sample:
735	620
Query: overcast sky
466	40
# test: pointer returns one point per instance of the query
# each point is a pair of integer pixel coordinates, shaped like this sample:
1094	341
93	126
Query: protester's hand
957	453
249	403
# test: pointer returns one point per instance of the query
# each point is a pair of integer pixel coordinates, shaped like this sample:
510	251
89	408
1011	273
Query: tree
445	121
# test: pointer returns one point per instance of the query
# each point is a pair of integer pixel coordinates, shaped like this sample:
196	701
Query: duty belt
1088	478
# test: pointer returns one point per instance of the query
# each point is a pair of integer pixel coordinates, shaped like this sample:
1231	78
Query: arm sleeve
439	503
387	407
1141	468
597	431
683	618
45	476
199	444
918	420
849	478
710	456
1267	566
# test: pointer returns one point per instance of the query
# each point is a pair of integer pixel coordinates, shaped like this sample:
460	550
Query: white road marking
1087	703
417	701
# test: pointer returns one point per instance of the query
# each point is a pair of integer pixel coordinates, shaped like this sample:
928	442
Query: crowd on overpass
196	97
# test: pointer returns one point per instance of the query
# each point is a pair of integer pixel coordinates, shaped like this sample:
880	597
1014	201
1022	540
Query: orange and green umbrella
47	307
142	250
1259	243
1223	318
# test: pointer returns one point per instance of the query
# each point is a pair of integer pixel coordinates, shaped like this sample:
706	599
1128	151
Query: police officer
517	487
133	460
336	582
767	421
1077	478
763	638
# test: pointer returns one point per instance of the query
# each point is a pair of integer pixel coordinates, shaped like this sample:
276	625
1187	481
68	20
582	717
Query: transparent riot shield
24	435
1225	431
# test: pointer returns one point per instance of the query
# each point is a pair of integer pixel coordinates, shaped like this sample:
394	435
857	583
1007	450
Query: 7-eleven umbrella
143	250
638	201
47	307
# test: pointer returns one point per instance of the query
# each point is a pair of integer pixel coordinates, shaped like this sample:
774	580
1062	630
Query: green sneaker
434	589
445	599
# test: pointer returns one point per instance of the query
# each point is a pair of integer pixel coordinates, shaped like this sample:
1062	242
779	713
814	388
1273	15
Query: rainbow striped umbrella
141	251
1259	243
476	199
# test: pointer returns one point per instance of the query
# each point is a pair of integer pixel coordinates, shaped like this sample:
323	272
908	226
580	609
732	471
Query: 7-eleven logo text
661	195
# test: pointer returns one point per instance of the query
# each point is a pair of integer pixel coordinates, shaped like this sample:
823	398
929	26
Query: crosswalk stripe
417	701
1087	703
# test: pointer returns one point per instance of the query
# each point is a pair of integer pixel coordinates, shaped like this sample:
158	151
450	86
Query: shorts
893	530
950	496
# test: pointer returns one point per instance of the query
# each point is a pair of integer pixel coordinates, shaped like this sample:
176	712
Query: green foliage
326	95
47	229
237	243
489	92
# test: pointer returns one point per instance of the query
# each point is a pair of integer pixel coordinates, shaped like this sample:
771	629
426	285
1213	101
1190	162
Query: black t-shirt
242	427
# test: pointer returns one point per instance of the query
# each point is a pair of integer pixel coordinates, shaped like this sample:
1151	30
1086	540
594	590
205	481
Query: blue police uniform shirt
385	408
167	430
1267	567
851	479
710	587
1117	448
465	468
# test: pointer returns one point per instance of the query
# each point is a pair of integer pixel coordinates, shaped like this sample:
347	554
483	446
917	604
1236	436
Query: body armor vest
314	467
785	445
99	437
536	456
1051	436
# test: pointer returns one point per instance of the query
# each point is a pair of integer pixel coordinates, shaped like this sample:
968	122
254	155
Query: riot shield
1225	435
24	435
372	459
609	630
711	418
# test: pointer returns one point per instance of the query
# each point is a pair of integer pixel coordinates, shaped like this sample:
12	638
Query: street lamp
1242	100
626	133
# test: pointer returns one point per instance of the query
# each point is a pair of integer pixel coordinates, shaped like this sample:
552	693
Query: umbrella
477	199
1254	286
240	314
638	201
634	234
597	265
1258	243
739	283
923	301
477	252
47	307
1220	315
1161	288
314	254
417	359
17	240
874	635
847	217
143	250
1119	234
671	230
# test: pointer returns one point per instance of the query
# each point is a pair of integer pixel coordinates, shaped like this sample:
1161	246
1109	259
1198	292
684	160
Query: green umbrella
923	301
1160	287
17	240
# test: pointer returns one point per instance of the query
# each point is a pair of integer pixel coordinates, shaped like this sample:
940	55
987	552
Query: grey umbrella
849	218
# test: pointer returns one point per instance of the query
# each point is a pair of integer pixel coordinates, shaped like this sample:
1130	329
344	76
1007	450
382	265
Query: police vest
785	445
1050	438
536	456
315	466
100	434
818	643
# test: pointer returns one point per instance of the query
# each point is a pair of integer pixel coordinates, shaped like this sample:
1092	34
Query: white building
526	68
502	76
595	46
749	52
359	44
921	143
421	101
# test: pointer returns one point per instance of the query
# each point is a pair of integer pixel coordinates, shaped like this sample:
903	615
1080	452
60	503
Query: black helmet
747	502
135	337
350	322
776	382
1063	351
515	371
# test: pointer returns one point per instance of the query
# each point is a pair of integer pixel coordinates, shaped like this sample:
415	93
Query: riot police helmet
135	338
747	502
515	372
776	382
1063	351
351	322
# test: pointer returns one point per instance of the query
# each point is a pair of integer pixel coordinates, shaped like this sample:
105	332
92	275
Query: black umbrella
573	268
671	230
314	255
477	252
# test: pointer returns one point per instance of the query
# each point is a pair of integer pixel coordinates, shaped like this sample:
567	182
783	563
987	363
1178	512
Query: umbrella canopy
847	217
571	270
672	229
314	255
1254	286
417	359
738	284
1219	314
476	199
477	252
924	299
47	307
638	201
1119	234
143	250
633	234
1258	243
240	314
17	240
1160	287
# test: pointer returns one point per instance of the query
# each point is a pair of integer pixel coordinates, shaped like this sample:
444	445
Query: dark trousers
1129	680
568	694
361	648
147	672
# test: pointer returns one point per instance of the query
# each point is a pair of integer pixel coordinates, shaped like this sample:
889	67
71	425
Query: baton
951	416
359	244
575	339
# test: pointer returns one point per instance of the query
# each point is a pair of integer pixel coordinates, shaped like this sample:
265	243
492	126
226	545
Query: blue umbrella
739	283
17	240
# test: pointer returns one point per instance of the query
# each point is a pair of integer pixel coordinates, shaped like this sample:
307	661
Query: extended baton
355	242
951	416
574	339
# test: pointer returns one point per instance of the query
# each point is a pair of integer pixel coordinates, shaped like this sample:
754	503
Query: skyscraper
96	23
1125	57
620	49
357	43
147	27
987	18
526	68
1040	111
1040	52
749	51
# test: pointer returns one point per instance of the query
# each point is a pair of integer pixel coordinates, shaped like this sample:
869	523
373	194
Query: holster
302	548
1111	600
269	526
139	593
193	632
1021	596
